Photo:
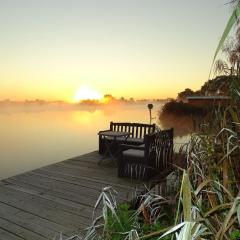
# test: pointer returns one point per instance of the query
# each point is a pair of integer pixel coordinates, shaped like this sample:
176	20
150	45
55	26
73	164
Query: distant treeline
221	85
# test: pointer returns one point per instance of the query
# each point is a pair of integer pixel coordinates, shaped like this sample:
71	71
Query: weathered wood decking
40	204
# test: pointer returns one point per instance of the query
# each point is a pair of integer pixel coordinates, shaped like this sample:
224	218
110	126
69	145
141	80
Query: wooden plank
108	165
74	206
125	190
6	235
32	222
89	157
122	186
44	208
59	186
137	128
141	133
98	183
89	164
99	173
90	169
107	176
20	231
47	184
82	192
75	171
77	180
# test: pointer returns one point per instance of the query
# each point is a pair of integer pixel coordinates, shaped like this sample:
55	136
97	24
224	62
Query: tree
186	93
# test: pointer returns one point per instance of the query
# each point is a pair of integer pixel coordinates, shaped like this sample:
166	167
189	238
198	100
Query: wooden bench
137	131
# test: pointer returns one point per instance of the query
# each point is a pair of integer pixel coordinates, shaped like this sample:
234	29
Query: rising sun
86	93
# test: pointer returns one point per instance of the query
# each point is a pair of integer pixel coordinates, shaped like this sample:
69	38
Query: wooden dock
40	204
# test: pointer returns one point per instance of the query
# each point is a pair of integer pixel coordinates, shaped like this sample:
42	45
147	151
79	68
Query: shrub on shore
182	109
183	117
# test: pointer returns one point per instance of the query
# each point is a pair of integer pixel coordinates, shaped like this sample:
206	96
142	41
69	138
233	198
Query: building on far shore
201	101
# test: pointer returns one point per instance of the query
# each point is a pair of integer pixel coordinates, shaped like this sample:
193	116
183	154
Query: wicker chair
154	156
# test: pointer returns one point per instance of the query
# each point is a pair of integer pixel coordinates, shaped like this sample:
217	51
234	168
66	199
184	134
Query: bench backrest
138	130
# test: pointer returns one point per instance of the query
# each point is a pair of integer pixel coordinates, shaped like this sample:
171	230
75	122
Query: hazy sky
130	48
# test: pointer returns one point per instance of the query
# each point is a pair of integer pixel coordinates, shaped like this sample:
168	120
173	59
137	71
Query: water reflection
183	125
31	138
34	137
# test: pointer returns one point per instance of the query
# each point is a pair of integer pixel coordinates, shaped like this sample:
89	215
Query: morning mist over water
37	136
32	137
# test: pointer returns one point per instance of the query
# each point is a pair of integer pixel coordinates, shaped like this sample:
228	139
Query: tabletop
114	134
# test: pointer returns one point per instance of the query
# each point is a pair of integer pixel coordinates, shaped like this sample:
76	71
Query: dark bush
182	109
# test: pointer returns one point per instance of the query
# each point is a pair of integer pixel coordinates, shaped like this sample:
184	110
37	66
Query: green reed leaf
186	192
233	19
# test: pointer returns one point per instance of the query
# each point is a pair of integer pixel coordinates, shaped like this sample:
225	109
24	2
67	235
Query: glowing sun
86	93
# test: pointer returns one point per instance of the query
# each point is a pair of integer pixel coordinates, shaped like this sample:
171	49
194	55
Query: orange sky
140	49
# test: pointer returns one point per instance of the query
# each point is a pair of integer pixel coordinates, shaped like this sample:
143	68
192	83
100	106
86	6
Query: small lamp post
150	107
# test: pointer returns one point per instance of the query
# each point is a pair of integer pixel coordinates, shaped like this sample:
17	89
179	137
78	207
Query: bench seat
129	140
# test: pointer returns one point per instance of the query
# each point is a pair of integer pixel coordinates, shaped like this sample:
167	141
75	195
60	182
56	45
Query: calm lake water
34	138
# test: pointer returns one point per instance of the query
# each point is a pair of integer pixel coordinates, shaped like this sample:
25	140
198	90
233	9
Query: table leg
110	146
